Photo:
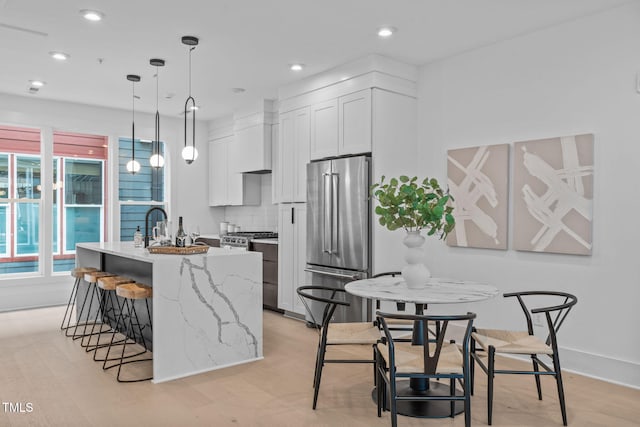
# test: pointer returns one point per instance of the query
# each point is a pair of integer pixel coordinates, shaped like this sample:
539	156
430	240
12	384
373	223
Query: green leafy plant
406	203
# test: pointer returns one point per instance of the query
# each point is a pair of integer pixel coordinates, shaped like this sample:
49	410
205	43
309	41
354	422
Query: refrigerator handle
327	206
335	177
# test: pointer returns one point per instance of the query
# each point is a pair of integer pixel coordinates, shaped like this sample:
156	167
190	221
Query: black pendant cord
193	118
133	127
155	150
133	78
156	158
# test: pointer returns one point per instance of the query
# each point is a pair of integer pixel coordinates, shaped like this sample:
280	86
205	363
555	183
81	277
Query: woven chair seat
352	333
409	358
513	342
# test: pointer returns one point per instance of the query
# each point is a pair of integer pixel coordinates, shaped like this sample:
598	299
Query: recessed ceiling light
296	67
60	56
91	15
238	89
385	32
37	83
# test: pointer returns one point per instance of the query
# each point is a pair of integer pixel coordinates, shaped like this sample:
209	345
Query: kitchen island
206	308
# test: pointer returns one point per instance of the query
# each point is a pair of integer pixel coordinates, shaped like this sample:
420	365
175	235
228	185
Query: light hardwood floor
66	388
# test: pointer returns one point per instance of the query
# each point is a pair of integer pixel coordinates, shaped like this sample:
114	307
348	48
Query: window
79	189
20	200
77	198
141	191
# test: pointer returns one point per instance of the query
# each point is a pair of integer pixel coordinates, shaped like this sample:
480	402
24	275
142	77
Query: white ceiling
243	43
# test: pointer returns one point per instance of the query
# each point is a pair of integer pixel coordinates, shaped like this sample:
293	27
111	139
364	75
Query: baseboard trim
201	371
37	293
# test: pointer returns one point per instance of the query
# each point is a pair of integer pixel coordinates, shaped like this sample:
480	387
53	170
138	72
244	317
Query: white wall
578	77
188	189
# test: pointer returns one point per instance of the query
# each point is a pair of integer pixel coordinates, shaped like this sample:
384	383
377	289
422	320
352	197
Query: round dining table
435	291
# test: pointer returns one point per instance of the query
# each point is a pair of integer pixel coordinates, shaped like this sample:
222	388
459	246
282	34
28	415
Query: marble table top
437	290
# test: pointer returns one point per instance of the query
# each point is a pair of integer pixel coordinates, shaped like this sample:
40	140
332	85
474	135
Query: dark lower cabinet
269	274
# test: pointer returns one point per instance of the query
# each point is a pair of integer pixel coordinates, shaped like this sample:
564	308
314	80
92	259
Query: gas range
241	239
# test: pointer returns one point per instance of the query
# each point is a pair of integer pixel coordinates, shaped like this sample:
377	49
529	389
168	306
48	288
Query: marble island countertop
206	308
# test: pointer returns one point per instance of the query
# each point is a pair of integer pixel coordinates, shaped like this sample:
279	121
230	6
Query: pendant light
156	159
189	152
133	165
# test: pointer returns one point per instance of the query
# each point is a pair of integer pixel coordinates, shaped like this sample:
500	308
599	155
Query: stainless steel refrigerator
338	230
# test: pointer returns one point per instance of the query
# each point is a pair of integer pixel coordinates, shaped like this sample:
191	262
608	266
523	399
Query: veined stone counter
206	308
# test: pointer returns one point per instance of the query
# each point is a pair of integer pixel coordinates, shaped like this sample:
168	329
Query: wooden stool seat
109	283
93	276
134	291
79	272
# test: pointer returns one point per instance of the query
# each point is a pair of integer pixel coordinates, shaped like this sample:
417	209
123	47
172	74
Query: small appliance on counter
224	228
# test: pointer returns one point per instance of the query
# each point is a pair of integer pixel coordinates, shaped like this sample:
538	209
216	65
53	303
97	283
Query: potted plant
414	205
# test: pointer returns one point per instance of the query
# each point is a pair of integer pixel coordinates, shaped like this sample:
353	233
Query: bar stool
78	273
105	288
131	292
91	278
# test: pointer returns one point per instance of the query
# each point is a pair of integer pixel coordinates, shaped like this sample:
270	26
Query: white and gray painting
553	195
478	179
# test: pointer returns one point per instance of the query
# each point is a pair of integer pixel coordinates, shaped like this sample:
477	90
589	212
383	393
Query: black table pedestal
425	409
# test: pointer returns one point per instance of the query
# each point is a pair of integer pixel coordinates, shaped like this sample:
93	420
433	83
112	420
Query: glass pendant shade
189	153
133	166
156	160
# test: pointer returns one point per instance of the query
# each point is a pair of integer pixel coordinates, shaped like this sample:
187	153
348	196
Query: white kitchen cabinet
227	187
341	126
292	249
324	129
275	163
218	171
293	155
354	124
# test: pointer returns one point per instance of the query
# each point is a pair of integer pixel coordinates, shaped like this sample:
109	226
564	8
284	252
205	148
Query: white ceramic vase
415	273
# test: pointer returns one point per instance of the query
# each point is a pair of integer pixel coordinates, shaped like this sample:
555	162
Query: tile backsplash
256	218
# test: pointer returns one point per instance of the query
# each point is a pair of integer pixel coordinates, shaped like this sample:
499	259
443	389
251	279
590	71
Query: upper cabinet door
286	157
302	133
355	123
275	164
218	171
293	155
324	130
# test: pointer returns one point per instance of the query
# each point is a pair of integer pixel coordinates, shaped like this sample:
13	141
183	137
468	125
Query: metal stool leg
112	343
132	313
70	304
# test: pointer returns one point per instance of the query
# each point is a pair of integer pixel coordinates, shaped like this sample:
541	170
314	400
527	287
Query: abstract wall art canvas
478	179
553	195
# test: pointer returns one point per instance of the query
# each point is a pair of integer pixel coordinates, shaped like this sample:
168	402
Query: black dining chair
335	334
431	358
486	343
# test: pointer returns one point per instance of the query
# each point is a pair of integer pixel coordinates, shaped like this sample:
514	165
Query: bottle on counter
137	238
181	236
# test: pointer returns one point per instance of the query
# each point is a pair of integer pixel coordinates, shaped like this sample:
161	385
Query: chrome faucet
146	223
